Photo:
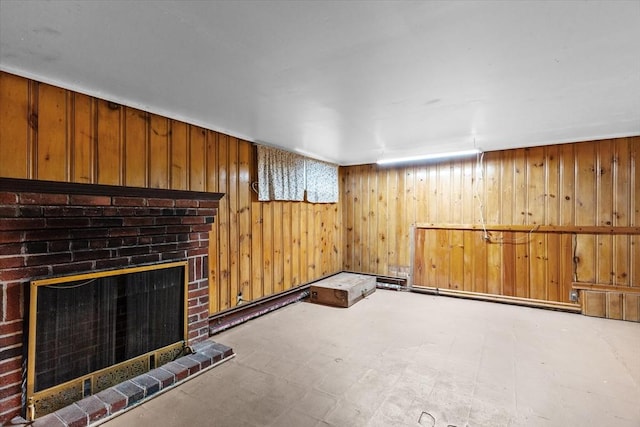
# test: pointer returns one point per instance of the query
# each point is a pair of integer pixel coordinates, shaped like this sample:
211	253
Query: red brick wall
45	235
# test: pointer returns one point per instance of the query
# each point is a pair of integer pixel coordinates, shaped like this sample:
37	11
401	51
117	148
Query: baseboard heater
250	310
550	305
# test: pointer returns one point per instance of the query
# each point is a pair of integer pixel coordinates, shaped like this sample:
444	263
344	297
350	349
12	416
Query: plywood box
342	290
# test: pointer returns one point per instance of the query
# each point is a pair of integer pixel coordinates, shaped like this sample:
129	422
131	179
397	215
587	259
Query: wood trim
528	302
56	187
588	229
605	288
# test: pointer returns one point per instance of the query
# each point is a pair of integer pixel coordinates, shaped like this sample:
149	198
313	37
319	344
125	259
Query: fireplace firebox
91	331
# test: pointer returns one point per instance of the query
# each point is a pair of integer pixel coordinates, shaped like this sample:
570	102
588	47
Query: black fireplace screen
99	320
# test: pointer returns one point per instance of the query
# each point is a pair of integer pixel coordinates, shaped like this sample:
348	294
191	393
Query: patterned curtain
322	182
280	175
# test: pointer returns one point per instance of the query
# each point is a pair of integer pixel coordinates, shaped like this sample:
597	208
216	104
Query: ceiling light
434	156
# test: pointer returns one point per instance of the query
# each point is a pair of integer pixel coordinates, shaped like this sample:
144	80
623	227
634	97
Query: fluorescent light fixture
434	156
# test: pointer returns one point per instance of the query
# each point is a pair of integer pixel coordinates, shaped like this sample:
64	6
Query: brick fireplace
52	229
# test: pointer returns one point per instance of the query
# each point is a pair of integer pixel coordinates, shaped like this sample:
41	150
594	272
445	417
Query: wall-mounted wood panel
17	122
256	248
260	248
582	185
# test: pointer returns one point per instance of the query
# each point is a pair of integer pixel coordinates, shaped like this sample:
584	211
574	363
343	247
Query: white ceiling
347	81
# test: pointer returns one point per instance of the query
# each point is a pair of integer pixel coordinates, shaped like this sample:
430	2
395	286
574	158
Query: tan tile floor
404	359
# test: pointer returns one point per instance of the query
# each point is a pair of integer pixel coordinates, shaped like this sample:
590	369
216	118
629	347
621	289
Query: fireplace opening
91	331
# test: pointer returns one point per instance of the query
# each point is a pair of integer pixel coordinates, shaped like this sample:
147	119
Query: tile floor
405	359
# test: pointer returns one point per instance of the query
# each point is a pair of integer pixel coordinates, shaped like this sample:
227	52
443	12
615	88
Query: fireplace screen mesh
96	321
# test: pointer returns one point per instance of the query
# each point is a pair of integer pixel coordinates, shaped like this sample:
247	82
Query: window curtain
322	181
280	175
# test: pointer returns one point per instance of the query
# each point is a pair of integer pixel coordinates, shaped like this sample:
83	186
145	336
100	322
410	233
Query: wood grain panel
632	308
267	248
287	241
548	201
305	255
52	142
109	143
85	139
159	153
16	129
224	226
136	148
83	144
197	159
232	196
594	303
244	217
179	155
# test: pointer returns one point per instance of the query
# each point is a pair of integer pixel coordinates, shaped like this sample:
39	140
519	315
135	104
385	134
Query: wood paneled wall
256	248
585	189
262	248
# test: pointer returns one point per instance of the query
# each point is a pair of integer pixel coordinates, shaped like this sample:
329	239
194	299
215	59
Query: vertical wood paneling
295	245
468	194
234	221
224	229
621	201
15	131
69	136
519	207
394	200
634	182
553	271
109	143
382	230
305	257
565	185
214	253
366	238
51	161
493	215
197	159
604	203
469	261
136	148
287	241
267	248
491	196
456	264
507	194
179	155
586	210
83	141
421	194
159	152
359	229
66	136
566	266
536	183
257	264
509	265
278	247
244	218
406	218
313	267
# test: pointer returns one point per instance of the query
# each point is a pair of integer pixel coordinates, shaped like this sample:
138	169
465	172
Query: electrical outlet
573	295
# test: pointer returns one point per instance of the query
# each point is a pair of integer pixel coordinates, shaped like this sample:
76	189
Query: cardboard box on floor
342	290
